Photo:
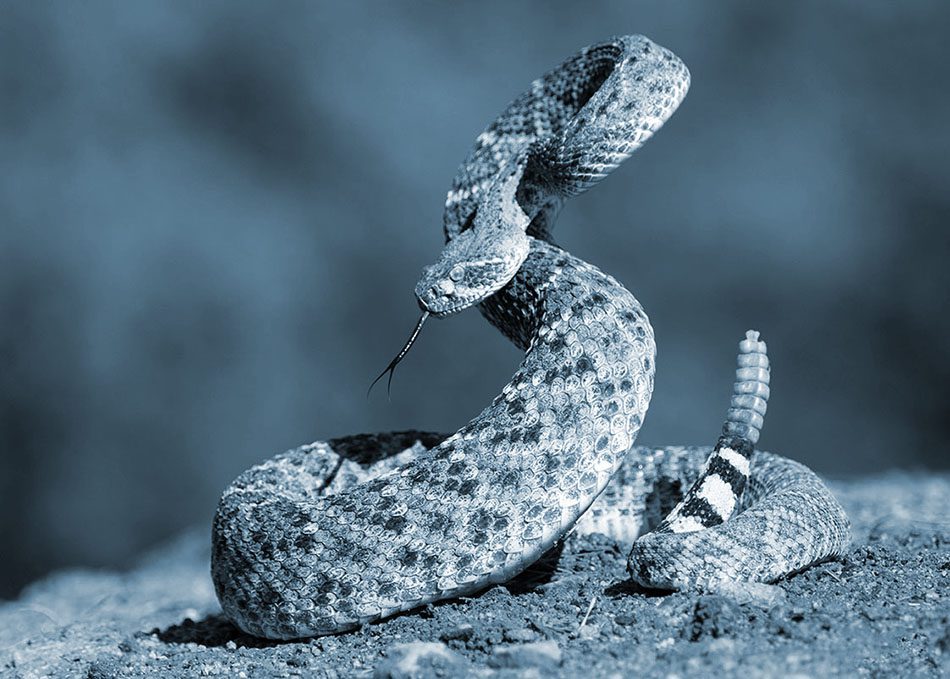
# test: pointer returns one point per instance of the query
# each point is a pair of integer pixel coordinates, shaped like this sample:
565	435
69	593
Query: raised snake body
325	537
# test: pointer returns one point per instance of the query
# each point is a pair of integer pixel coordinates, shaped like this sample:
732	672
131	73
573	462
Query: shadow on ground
882	609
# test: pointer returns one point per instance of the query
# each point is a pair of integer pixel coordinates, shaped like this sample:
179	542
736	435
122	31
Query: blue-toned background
212	216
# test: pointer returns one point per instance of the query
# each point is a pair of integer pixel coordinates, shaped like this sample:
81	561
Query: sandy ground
883	610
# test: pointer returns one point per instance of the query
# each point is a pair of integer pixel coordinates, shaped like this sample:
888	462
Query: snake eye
456	272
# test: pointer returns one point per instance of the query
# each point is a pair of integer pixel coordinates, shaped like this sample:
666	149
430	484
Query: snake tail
721	531
714	496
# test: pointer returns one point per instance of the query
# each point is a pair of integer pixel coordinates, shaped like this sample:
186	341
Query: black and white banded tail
716	493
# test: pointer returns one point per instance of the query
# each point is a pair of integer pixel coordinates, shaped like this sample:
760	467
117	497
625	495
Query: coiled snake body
325	537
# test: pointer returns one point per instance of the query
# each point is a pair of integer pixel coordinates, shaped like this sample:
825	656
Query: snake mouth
443	297
446	290
443	310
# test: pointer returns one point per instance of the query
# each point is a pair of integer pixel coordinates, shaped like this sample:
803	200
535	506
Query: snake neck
518	310
551	291
569	130
520	135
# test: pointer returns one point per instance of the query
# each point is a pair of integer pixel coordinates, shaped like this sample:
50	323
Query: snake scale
328	536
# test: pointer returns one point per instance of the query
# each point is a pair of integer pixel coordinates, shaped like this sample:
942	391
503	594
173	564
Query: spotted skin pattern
328	536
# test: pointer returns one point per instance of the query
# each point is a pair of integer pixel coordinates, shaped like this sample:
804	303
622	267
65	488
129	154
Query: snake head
473	266
480	260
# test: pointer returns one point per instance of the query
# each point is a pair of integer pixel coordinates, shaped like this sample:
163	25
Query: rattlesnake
328	536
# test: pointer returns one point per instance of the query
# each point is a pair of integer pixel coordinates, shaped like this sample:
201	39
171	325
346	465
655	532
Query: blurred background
212	216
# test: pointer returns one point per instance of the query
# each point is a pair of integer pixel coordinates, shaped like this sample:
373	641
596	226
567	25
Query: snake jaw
473	266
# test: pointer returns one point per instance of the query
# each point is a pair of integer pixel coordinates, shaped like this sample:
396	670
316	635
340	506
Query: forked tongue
391	368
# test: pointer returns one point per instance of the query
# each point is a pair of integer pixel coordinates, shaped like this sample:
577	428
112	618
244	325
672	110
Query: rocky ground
883	610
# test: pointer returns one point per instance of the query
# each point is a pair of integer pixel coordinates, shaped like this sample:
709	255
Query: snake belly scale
331	535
